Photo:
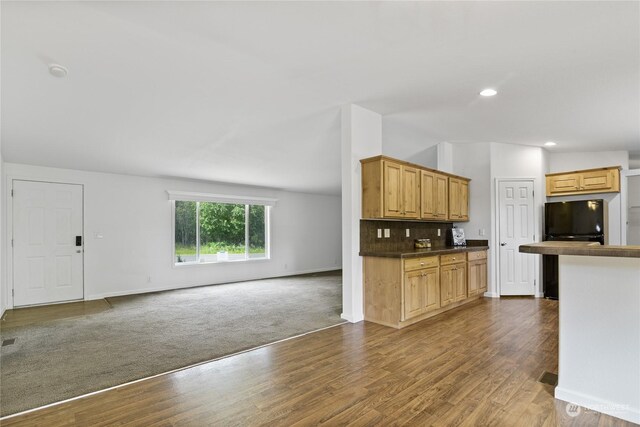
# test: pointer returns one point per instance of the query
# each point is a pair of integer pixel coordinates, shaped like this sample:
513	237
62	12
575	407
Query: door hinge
13	292
12	192
11	242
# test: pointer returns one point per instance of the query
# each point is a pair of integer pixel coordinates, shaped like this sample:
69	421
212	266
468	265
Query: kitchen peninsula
599	325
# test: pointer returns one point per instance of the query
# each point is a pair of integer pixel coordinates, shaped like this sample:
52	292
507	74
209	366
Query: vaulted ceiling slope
251	92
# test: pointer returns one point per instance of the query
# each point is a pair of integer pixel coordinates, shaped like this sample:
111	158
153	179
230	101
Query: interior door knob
503	243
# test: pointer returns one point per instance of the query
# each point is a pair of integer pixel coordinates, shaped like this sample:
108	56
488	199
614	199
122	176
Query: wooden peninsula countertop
581	248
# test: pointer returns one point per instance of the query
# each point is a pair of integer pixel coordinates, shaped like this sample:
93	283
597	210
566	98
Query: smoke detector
57	70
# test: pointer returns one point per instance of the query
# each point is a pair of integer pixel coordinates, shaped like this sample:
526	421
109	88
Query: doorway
47	242
516	226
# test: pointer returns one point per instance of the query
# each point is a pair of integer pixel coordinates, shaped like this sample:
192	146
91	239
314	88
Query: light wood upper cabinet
390	190
395	189
458	199
435	195
410	192
603	180
392	186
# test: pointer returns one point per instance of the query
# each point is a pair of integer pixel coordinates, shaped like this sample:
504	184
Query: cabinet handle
422	263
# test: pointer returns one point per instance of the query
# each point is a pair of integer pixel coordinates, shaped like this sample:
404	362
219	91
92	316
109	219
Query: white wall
361	138
3	299
134	216
473	161
565	162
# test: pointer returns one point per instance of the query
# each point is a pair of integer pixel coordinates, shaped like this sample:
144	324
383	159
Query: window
213	231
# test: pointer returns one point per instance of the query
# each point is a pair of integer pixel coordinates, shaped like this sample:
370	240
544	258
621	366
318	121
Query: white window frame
268	203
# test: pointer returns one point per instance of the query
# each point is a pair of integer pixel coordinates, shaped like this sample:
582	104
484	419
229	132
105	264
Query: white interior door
47	255
516	227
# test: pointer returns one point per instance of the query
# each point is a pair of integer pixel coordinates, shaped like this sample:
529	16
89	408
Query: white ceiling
251	92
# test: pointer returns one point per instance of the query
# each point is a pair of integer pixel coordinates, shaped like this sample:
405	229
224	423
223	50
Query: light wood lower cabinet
400	292
477	273
453	281
421	292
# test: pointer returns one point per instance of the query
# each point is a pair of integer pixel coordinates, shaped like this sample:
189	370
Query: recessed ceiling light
57	70
488	92
550	143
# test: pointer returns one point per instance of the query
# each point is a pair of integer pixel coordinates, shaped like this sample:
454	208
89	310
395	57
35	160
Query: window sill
237	261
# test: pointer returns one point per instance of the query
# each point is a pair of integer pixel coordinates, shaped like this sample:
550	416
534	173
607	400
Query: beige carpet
154	333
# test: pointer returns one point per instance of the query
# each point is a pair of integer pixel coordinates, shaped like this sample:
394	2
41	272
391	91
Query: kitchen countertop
581	248
424	252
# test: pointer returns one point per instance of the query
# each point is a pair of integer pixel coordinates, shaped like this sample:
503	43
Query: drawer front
419	263
453	258
472	256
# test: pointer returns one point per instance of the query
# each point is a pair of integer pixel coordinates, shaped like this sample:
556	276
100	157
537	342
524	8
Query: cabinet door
464	200
454	198
392	189
441	197
413	294
432	289
410	192
563	183
473	277
460	282
428	199
446	285
596	180
482	287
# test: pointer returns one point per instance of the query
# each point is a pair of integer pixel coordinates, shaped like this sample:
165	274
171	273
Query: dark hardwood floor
474	366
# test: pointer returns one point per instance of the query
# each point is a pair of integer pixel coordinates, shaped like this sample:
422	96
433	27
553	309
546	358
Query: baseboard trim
352	318
491	295
175	288
617	410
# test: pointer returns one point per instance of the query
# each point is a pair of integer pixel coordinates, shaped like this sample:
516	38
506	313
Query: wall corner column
361	138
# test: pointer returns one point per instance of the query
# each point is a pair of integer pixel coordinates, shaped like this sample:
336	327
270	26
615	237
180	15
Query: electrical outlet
482	232
408	232
438	232
387	233
379	233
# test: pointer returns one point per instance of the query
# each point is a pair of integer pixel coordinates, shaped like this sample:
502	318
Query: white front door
47	242
516	227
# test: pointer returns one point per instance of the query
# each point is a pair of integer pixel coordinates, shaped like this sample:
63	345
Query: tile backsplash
397	240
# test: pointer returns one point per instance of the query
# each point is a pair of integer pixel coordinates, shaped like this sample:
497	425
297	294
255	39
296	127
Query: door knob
503	243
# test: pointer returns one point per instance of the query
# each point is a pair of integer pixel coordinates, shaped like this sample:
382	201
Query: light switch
379	233
97	235
438	232
482	232
387	233
408	232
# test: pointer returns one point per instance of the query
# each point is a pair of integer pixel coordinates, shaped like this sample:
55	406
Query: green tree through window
212	232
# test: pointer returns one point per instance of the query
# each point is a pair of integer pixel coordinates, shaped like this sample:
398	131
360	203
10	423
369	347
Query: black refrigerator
578	221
